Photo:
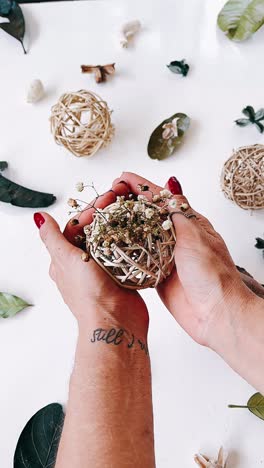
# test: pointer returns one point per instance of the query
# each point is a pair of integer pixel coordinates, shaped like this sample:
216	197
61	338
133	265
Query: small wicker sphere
242	179
81	122
132	261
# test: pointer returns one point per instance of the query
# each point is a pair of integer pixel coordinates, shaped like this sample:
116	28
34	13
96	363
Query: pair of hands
199	293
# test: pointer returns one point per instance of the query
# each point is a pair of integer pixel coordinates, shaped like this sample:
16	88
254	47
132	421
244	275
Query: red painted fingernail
174	186
39	220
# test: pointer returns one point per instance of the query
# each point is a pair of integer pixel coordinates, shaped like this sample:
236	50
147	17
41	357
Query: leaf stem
237	406
21	42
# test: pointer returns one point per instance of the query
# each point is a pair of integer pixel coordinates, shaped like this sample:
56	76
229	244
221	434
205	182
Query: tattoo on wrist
119	336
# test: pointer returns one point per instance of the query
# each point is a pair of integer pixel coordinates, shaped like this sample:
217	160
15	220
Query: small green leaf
159	147
38	443
259	114
10	192
10	305
3	165
259	243
242	122
179	67
239	19
249	112
16	26
255	405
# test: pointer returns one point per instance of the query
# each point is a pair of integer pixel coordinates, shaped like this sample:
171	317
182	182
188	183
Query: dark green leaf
10	305
255	404
179	67
16	26
239	19
260	127
160	148
242	122
10	192
3	165
260	114
260	243
38	443
249	112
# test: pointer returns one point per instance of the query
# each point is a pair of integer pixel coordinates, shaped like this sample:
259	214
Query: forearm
109	414
239	340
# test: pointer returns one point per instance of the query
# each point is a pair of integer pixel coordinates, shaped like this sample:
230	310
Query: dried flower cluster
205	462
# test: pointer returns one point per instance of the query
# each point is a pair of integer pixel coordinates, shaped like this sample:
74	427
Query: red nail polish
174	186
39	220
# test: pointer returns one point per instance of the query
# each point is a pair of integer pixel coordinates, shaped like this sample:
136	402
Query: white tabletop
191	386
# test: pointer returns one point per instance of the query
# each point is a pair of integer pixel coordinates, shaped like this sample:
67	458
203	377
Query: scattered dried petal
79	186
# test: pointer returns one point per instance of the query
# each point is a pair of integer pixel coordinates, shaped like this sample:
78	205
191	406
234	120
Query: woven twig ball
81	122
133	241
242	178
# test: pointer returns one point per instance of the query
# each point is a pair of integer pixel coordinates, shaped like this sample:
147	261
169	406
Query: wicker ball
81	122
142	263
242	178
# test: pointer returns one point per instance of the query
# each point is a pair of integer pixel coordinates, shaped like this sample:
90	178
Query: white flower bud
167	224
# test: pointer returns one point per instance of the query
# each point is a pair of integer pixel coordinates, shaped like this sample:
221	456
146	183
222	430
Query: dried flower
165	193
128	31
184	206
143	188
173	203
142	198
74	222
205	462
85	257
156	198
149	212
100	71
167	224
79	186
73	203
170	129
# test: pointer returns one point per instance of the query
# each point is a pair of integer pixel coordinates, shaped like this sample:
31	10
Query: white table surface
191	385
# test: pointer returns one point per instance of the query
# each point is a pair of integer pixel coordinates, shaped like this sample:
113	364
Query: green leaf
160	148
10	305
10	192
242	122
239	19
259	243
259	114
255	404
259	126
249	112
16	26
179	67
38	443
3	165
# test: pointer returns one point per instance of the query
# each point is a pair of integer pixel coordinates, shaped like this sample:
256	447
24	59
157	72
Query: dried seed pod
36	91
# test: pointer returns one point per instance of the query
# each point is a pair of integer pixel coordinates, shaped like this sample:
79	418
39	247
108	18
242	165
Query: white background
191	385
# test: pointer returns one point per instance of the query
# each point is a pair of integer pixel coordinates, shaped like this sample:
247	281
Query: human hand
89	292
205	287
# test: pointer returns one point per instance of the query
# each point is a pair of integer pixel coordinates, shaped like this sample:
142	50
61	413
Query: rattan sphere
136	265
242	178
81	122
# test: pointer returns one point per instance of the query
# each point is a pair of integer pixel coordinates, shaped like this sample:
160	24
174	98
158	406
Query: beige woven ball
135	258
81	122
242	178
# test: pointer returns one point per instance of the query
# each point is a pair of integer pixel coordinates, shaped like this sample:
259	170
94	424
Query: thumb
52	237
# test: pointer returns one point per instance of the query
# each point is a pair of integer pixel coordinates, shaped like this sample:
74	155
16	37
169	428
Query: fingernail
174	186
39	220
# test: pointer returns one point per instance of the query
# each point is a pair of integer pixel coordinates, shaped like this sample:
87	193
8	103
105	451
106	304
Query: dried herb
38	443
255	405
10	192
239	19
10	305
16	26
253	118
167	136
100	71
179	67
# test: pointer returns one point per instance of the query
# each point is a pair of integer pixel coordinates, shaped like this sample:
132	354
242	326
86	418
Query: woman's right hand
205	288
